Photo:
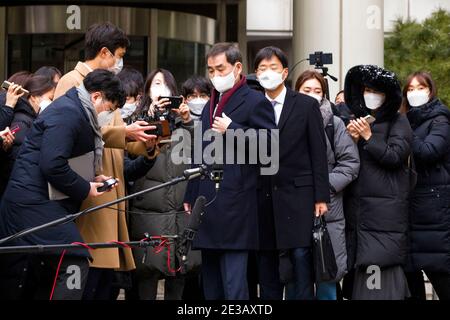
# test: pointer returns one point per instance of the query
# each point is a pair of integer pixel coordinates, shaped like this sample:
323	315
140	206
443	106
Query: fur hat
377	79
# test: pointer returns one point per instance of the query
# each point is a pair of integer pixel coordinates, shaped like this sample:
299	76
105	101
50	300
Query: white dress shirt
278	103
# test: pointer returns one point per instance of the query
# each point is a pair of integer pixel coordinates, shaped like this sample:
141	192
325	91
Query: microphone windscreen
195	216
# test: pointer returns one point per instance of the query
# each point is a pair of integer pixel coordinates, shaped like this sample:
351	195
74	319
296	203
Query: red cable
57	272
168	261
84	245
123	244
164	244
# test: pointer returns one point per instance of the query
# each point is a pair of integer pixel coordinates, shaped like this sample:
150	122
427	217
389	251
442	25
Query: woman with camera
160	212
376	204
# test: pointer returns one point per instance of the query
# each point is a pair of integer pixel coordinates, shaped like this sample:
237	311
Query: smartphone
370	119
175	102
107	185
15	129
6	84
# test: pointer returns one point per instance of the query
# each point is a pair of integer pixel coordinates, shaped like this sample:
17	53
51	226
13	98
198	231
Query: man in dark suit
289	199
67	129
228	228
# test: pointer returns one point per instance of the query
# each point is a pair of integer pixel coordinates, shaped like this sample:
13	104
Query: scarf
85	99
326	111
223	101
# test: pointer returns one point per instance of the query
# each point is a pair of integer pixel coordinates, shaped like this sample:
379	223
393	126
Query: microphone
193	173
216	174
191	230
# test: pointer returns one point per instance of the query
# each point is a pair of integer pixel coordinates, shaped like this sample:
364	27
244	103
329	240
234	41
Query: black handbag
325	267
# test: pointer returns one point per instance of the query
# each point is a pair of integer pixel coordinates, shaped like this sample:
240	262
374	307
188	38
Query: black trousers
99	284
31	277
224	274
270	285
147	285
439	281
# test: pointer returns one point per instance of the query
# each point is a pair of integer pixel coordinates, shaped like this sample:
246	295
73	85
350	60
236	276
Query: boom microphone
191	230
194	172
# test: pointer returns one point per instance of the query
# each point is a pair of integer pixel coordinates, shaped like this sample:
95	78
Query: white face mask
316	96
127	109
418	98
373	100
196	106
159	90
225	83
270	80
118	66
44	104
98	105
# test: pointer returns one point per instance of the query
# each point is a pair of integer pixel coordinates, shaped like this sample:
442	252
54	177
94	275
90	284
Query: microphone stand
74	216
326	74
151	242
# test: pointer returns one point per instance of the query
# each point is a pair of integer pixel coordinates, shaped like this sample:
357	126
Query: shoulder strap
329	131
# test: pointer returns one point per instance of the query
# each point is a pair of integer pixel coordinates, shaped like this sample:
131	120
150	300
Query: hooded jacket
429	208
376	205
343	168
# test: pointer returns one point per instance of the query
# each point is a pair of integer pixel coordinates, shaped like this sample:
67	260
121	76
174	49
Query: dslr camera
164	120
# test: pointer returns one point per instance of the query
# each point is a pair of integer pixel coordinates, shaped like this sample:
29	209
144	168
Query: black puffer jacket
23	116
430	202
376	204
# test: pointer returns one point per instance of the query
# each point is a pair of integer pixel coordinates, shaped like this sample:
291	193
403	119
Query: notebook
83	166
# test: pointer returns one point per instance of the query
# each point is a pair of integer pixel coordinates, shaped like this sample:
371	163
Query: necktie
274	103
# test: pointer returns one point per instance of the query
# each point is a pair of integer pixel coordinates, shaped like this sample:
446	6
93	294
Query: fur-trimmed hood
326	111
375	78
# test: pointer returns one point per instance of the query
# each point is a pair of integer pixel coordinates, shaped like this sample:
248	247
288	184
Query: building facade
176	34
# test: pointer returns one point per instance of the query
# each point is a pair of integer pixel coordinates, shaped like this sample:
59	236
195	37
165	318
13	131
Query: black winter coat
60	133
6	113
376	204
430	202
6	116
286	199
23	117
231	221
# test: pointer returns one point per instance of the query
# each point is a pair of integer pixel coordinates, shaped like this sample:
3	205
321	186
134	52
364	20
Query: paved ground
160	296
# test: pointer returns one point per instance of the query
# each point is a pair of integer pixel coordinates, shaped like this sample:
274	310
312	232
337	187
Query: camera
164	120
319	59
175	102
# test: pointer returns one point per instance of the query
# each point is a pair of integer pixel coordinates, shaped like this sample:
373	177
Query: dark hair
268	53
48	71
107	83
170	82
308	75
39	85
132	81
231	51
425	79
102	35
20	77
201	84
342	91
